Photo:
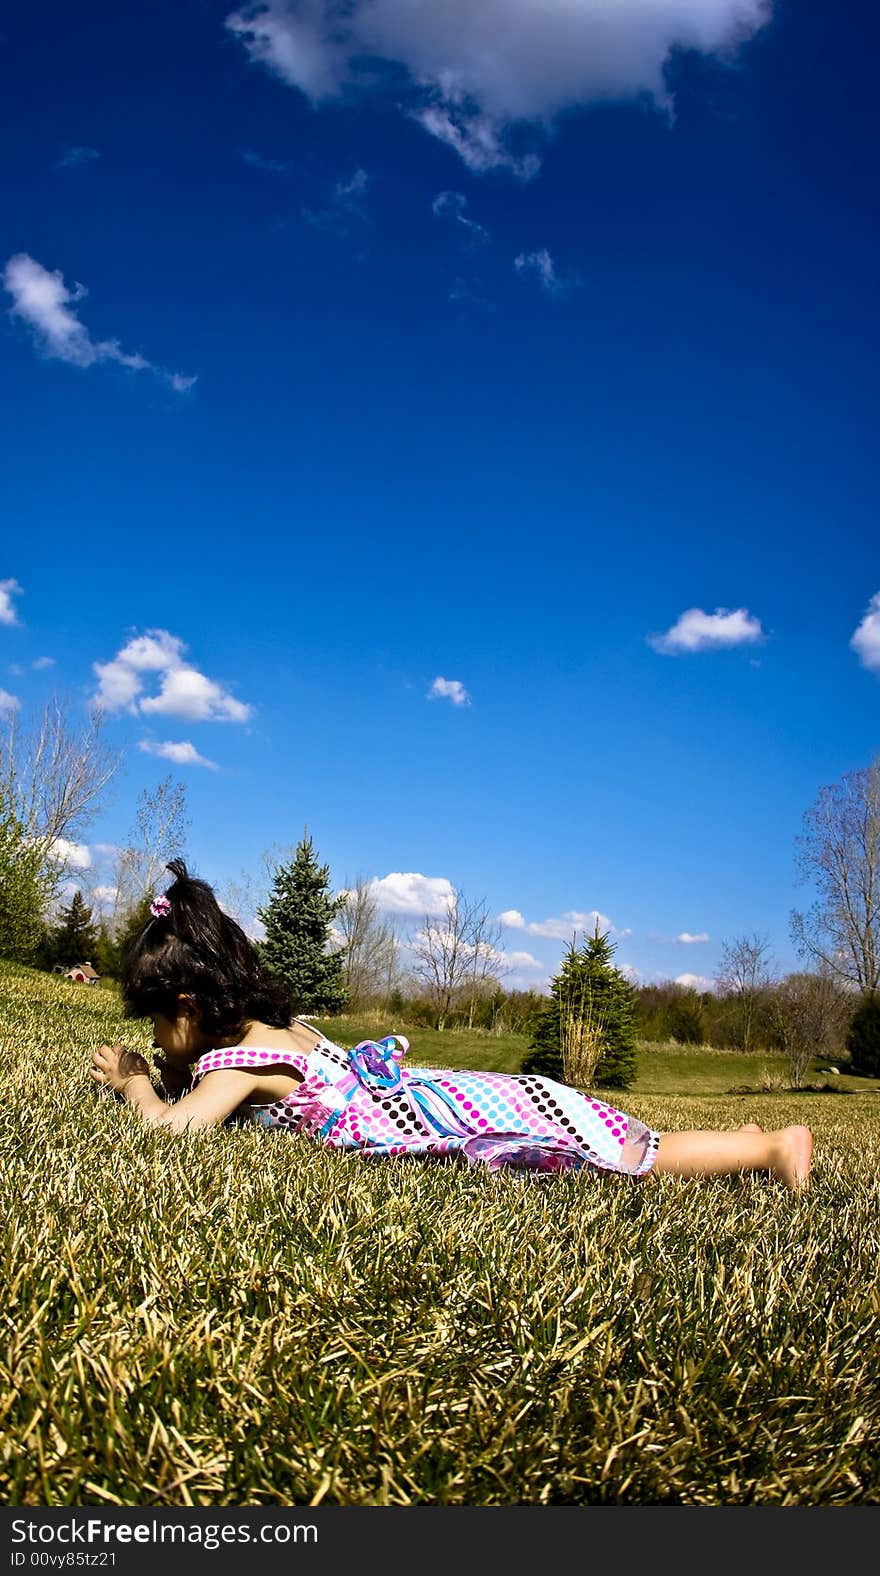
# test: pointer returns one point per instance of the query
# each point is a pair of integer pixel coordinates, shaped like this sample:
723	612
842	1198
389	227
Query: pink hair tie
159	907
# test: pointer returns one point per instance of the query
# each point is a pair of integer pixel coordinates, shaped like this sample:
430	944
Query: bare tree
240	898
839	852
370	944
487	964
158	835
455	950
810	1012
744	976
56	773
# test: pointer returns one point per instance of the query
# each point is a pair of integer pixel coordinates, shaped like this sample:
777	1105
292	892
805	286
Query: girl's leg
786	1154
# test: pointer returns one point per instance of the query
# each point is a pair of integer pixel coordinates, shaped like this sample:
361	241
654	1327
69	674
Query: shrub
863	1038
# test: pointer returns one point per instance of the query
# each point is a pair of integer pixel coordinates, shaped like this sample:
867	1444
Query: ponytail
189	947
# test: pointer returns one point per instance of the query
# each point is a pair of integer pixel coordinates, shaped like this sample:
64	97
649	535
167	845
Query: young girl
225	1029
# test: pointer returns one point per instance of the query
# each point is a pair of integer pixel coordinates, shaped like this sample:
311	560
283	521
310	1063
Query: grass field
238	1318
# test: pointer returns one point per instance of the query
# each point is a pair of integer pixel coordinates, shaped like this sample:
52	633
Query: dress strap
248	1059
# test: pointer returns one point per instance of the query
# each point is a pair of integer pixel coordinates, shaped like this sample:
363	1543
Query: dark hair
194	949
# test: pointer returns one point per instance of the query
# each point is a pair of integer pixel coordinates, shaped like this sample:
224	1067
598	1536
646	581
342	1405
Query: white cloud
563	928
471	70
189	694
104	894
452	205
8	589
541	264
8	703
44	302
689	940
449	689
694	982
182	754
183	692
408	892
43	662
866	640
521	960
73	856
695	630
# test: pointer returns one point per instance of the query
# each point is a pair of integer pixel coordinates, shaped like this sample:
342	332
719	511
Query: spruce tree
590	1020
75	937
297	918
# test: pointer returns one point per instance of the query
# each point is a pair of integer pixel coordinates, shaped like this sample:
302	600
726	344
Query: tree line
339	951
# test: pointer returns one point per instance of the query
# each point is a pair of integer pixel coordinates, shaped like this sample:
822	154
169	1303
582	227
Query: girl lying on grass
231	1049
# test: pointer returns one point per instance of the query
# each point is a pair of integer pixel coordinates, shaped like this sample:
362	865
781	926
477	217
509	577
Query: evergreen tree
75	937
863	1038
112	948
297	918
587	1032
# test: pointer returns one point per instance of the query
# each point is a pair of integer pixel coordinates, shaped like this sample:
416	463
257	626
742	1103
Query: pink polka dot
481	1122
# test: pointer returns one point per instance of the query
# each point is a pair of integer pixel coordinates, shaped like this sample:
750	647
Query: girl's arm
214	1098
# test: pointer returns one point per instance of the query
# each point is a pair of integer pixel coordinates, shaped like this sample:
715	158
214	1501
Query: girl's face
179	1039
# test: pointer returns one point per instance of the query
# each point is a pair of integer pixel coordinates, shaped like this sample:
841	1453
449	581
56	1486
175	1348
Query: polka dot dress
364	1099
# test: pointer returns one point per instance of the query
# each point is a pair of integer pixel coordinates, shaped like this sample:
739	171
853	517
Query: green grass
238	1318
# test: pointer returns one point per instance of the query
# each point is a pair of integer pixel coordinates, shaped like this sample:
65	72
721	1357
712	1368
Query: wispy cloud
449	689
563	927
347	202
8	703
695	631
488	78
9	589
688	940
183	691
182	754
257	161
43	662
452	205
75	157
476	139
42	301
866	640
540	264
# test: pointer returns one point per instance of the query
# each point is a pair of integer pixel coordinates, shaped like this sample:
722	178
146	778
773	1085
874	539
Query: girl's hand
113	1065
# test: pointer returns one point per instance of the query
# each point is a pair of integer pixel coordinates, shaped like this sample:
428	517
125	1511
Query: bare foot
751	1127
794	1149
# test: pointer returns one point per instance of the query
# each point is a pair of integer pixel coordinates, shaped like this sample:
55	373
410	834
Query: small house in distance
83	973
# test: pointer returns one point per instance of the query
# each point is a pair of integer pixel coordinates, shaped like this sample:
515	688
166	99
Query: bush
24	889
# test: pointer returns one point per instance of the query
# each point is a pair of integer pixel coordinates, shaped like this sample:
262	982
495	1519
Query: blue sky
455	424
